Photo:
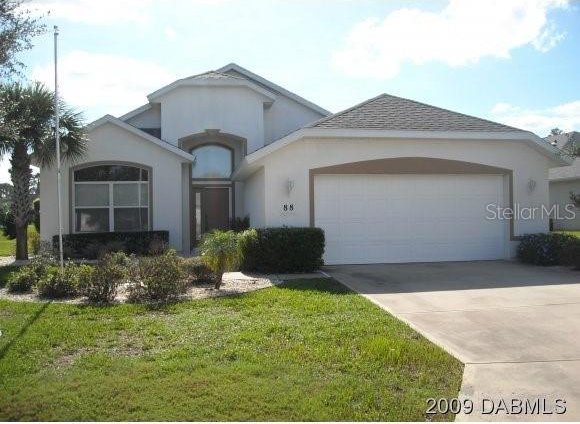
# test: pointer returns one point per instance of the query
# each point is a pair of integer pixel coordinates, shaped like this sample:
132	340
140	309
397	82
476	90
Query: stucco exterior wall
234	110
294	162
111	143
254	199
560	195
151	118
284	116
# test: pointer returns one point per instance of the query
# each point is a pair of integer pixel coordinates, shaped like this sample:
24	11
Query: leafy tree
30	109
17	29
556	131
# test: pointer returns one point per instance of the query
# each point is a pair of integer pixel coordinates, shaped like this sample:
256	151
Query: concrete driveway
516	327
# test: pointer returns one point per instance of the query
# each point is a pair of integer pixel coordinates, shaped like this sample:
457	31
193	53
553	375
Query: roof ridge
223	74
342	112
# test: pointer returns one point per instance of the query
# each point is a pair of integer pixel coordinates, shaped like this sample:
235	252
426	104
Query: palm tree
27	135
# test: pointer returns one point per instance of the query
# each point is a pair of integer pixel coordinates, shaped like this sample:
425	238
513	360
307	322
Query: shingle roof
214	75
571	138
386	112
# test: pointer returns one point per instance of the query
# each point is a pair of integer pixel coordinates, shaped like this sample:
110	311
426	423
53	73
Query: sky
511	61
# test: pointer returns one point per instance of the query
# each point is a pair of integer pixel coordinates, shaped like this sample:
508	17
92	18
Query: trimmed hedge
285	249
547	249
93	245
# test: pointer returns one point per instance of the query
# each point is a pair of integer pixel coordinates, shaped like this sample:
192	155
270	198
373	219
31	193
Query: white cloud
460	34
565	116
112	83
170	33
95	12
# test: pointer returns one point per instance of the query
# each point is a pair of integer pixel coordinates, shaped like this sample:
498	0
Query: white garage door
409	218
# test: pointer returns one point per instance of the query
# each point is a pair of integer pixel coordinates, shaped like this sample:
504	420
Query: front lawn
8	246
307	350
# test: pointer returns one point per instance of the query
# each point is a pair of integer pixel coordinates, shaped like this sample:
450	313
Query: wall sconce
531	185
289	186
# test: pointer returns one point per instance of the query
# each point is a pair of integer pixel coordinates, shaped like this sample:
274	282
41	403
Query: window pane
92	220
125	195
131	219
144	194
212	162
110	173
91	194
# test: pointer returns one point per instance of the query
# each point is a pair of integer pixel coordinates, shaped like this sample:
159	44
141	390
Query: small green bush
285	249
220	252
57	284
545	249
103	282
157	278
196	269
33	240
7	224
22	280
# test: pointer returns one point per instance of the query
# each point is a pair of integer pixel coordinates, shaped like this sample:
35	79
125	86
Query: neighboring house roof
269	85
109	119
565	141
387	112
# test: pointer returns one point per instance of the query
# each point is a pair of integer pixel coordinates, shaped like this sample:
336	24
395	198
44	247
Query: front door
211	210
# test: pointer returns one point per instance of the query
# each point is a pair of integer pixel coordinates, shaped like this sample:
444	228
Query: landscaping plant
157	278
196	269
56	283
545	248
220	252
22	280
100	286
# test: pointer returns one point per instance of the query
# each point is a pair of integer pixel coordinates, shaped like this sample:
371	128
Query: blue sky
513	61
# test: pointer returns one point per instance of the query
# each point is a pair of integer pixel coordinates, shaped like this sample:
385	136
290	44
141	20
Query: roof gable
240	72
387	112
109	119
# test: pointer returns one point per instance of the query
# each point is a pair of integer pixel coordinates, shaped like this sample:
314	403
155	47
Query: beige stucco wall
254	201
112	143
233	110
294	162
560	195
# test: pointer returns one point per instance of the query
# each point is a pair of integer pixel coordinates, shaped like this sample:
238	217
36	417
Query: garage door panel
409	218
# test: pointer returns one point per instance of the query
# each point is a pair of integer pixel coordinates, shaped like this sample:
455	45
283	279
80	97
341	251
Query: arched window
212	161
111	198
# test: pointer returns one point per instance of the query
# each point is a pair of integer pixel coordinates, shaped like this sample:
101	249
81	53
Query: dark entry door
211	210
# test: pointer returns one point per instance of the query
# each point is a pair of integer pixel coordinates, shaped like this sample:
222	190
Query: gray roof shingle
386	112
214	75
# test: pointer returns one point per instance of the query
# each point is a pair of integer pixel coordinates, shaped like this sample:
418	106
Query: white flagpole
57	136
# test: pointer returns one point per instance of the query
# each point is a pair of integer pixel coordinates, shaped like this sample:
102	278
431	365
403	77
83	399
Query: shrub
240	224
56	284
196	269
220	252
33	240
36	218
92	245
157	278
7	223
286	249
100	286
22	280
545	248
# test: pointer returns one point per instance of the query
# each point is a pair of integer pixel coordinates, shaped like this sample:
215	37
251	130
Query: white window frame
111	206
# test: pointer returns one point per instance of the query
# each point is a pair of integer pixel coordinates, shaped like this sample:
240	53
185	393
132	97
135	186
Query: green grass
307	350
8	246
